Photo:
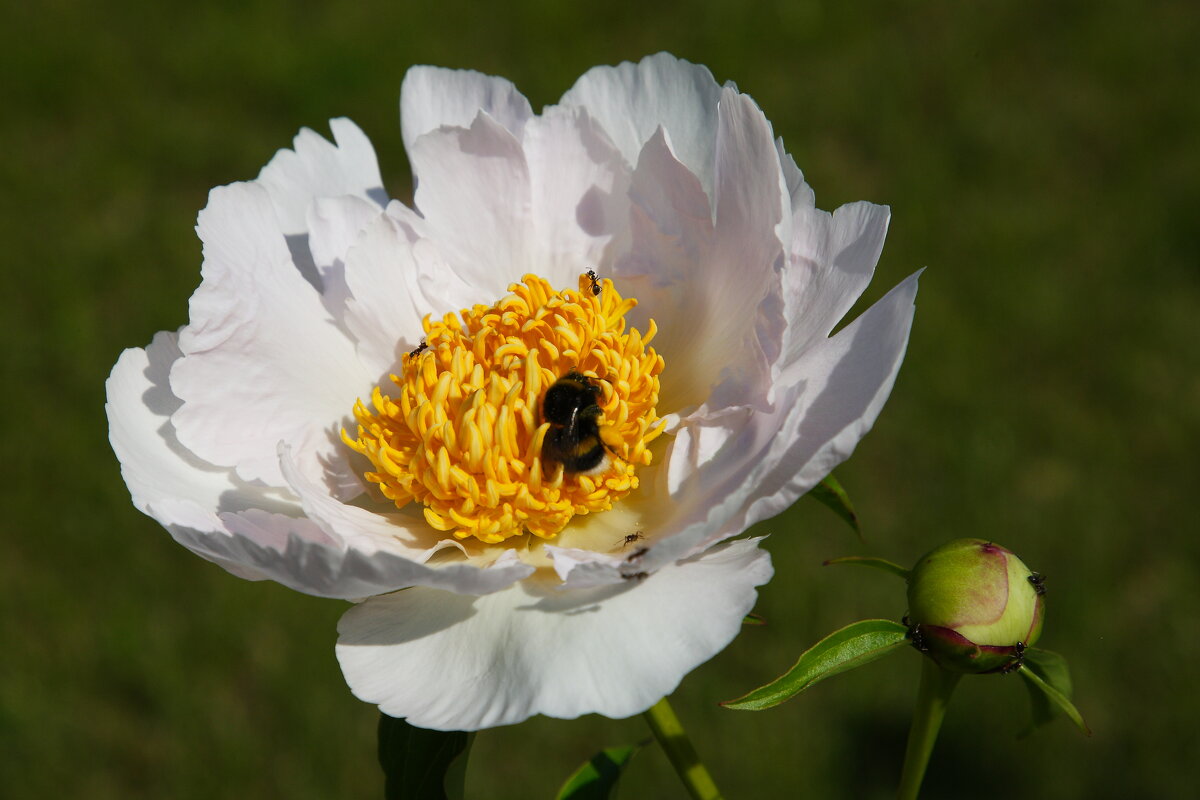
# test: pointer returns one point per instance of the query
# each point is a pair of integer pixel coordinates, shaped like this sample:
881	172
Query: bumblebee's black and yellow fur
574	436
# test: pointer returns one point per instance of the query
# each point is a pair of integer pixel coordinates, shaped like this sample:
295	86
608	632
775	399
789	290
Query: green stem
674	740
937	685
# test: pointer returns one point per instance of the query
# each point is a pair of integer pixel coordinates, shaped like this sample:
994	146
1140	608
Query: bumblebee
574	439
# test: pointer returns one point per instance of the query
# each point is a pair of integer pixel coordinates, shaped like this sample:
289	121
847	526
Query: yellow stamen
464	437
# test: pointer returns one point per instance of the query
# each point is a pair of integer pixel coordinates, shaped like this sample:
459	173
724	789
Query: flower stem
933	696
675	742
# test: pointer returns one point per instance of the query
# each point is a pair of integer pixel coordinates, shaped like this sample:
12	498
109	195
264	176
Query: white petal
671	229
830	262
760	464
581	569
434	97
400	274
699	441
154	464
316	168
300	555
631	102
450	662
751	201
578	187
402	534
386	304
441	286
202	531
798	189
263	361
713	289
334	224
313	169
839	386
473	190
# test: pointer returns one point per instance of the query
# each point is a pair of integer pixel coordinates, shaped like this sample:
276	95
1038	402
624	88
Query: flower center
517	416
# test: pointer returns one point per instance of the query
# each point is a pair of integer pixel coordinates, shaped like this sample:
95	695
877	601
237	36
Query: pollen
462	433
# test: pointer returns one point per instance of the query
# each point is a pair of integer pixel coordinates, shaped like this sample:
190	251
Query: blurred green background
1042	162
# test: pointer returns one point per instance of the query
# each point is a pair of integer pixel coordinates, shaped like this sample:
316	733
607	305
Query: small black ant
1018	659
915	634
418	349
631	538
1039	582
636	576
595	279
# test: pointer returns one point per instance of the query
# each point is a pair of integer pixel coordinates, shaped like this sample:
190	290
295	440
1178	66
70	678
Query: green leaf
598	776
867	561
853	646
830	493
1047	673
422	765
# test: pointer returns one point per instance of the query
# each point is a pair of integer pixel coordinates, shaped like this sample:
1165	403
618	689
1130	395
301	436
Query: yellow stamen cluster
464	435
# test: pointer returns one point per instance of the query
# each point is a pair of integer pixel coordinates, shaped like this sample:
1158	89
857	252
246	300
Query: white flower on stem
356	407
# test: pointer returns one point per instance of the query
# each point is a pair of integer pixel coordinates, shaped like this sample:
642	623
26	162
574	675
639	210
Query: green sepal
868	561
1052	669
598	776
419	764
853	646
753	620
1049	684
831	494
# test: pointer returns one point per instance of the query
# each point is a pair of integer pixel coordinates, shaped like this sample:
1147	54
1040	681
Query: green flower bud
973	606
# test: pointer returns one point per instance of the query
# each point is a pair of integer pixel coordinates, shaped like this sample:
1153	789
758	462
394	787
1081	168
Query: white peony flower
356	406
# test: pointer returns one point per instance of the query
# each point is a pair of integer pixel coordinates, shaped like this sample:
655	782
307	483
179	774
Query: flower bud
973	606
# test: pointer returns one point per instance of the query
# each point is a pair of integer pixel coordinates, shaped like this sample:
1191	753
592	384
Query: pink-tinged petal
450	662
740	469
434	97
263	362
632	101
578	187
473	191
297	553
830	261
154	464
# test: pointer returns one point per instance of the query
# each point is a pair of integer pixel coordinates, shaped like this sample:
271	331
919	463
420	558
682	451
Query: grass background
1042	162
